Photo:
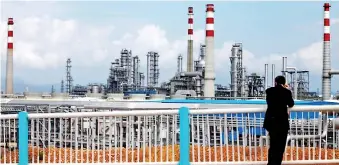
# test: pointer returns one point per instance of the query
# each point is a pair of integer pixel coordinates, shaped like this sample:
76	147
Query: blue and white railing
184	136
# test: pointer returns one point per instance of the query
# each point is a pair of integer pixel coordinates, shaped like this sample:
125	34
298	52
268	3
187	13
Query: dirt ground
163	154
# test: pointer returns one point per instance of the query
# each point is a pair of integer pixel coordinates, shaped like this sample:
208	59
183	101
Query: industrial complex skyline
93	34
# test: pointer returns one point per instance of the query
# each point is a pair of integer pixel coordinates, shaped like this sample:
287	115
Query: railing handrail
184	120
8	116
321	108
260	109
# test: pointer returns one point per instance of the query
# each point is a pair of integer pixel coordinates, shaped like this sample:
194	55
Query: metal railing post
23	138
184	136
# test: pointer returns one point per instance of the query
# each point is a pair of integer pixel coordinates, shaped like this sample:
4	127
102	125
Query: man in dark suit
276	122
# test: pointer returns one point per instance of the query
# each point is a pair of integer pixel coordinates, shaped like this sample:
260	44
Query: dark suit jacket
278	99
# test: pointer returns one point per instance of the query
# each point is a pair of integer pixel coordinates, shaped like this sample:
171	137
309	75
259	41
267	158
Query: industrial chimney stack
209	59
273	75
9	65
266	76
326	83
190	40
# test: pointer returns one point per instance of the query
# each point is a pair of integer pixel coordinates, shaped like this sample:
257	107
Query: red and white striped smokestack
327	34
326	80
9	66
190	40
209	58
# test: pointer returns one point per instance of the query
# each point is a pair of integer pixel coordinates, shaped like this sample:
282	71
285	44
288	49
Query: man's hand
288	111
286	86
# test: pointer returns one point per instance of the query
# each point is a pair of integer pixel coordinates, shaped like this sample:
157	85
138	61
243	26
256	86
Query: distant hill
20	86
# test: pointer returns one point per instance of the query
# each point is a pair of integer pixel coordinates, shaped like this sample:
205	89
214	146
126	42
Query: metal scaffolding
255	85
69	78
302	81
152	69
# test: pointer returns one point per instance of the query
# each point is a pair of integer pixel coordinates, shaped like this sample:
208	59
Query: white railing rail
206	136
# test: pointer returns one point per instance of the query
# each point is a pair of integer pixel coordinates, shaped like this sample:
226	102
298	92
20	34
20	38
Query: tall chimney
284	65
266	76
209	59
190	40
9	64
273	75
326	77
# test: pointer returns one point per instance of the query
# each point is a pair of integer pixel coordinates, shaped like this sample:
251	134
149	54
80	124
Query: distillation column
326	80
136	75
179	64
9	65
243	82
152	69
148	73
234	70
209	90
190	40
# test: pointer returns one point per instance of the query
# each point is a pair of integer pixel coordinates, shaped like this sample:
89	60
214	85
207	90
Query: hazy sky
93	34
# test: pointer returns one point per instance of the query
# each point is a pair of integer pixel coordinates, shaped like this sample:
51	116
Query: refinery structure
126	79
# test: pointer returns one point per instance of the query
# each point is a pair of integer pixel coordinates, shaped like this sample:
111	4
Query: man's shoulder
270	89
286	90
277	89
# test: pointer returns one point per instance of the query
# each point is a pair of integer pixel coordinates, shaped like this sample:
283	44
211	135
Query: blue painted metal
23	138
184	136
257	102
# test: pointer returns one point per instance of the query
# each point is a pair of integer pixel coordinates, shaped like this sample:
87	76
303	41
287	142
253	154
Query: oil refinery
133	110
126	79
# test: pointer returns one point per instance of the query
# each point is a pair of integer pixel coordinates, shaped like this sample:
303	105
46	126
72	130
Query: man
276	122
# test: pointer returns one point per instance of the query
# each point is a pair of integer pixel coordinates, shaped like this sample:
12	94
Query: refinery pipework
125	73
327	72
199	65
295	81
9	64
209	89
190	40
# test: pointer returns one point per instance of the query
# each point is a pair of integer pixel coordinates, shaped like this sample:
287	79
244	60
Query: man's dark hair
280	80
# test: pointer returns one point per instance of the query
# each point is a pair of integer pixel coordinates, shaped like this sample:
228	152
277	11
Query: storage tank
137	97
157	97
59	95
180	97
95	89
115	96
32	95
